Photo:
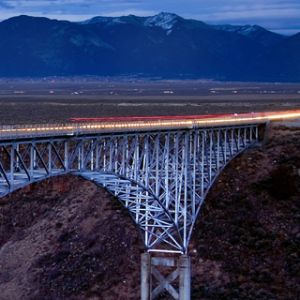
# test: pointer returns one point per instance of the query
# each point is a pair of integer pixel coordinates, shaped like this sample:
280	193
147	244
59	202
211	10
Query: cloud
43	3
5	5
137	12
254	15
280	16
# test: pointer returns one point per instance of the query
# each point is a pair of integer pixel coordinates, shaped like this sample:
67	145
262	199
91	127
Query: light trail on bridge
81	126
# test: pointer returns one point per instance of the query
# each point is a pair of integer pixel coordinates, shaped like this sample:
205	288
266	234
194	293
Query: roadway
83	126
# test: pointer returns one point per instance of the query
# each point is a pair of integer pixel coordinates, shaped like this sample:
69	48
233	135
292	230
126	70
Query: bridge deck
82	126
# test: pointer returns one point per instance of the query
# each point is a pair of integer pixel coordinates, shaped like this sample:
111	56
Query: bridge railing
165	123
64	129
35	130
8	132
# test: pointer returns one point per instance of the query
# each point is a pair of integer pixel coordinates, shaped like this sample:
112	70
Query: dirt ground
248	234
58	99
65	238
59	241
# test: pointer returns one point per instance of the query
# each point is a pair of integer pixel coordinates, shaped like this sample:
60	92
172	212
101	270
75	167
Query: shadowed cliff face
65	238
248	231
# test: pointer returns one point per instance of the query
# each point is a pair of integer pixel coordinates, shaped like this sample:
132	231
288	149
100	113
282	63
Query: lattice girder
162	178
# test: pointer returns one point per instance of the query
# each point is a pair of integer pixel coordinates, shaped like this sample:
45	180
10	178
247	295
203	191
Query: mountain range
165	46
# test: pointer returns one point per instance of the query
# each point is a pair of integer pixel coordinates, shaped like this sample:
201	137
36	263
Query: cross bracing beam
161	177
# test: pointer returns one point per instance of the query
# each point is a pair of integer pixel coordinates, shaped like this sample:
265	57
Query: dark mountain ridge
164	45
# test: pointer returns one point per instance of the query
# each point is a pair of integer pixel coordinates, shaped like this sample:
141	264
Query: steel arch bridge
159	168
161	177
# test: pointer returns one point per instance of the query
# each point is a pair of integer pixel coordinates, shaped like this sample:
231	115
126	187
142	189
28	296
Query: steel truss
162	178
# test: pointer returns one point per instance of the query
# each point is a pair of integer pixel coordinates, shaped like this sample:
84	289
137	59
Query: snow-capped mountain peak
104	20
164	20
241	29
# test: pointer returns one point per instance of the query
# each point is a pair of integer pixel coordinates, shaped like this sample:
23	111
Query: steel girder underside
162	178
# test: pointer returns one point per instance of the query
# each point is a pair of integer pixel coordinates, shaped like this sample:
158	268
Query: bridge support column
170	275
184	277
145	276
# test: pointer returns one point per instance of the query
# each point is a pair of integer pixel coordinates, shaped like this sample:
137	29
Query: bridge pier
165	274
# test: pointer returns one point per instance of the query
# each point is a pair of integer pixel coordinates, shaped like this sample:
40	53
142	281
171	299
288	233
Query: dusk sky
275	15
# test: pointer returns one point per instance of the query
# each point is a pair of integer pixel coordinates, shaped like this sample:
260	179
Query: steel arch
162	177
145	209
